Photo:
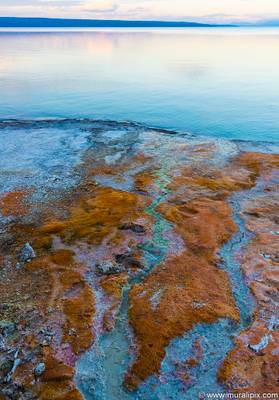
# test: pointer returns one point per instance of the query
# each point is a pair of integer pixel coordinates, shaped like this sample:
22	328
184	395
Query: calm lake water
218	82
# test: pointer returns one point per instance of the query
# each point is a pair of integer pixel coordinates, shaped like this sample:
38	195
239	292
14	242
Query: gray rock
39	369
5	306
7	328
2	343
28	396
137	228
6	365
46	342
17	362
47	332
109	268
261	345
127	260
10	392
18	265
72	332
26	254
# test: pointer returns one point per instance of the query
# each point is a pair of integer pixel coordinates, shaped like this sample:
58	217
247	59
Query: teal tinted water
216	82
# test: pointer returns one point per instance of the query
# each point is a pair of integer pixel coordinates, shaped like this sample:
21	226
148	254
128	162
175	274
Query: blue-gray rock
26	254
109	268
7	328
39	369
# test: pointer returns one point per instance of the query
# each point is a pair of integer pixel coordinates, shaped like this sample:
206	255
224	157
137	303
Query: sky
217	11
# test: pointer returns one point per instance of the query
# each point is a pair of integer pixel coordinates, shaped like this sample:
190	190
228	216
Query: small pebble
72	332
39	369
26	253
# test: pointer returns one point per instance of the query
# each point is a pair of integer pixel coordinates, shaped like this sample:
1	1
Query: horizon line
8	21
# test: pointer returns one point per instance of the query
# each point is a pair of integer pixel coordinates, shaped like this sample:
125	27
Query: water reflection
220	82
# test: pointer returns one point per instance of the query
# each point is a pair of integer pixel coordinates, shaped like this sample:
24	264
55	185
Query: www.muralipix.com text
227	396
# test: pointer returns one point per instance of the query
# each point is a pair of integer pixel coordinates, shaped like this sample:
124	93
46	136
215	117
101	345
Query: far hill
14	22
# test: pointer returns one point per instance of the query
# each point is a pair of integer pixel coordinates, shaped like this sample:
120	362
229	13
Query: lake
220	82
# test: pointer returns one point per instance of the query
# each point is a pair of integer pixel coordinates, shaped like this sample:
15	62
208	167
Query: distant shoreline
18	22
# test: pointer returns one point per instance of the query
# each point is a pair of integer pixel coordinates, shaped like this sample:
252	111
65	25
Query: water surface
218	82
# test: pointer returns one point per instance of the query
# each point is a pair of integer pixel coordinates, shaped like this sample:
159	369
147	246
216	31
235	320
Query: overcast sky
196	10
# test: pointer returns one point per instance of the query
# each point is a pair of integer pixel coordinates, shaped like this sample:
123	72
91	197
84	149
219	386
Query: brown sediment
187	299
68	295
51	292
191	287
144	181
252	365
94	218
56	382
13	203
259	163
204	224
49	296
113	286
